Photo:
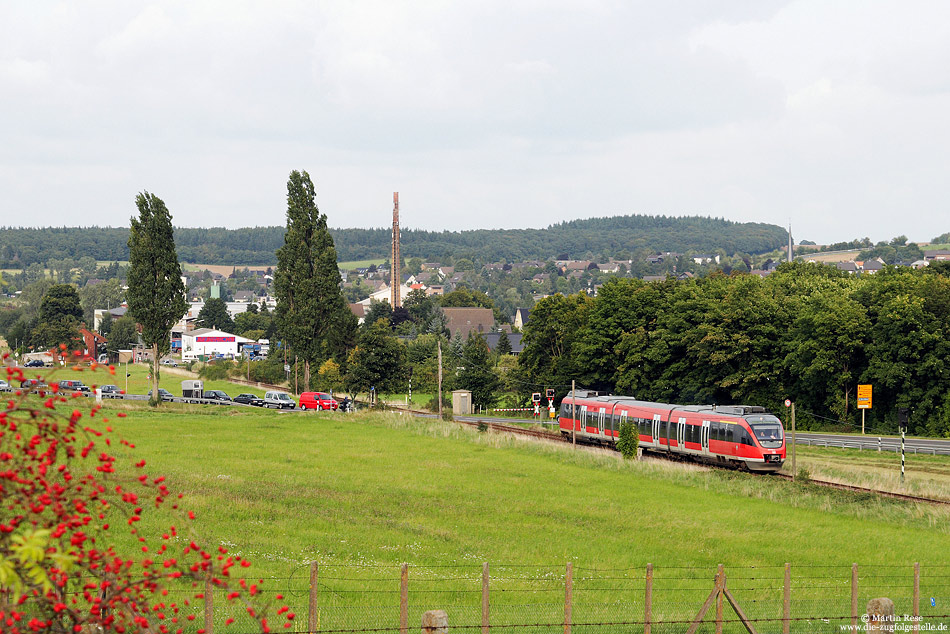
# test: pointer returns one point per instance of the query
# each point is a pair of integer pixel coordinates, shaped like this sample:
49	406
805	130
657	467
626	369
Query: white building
211	343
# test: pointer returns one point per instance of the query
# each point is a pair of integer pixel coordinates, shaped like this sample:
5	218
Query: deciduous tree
312	314
156	294
214	314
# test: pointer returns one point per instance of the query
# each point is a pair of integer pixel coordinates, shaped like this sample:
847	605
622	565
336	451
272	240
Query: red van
317	400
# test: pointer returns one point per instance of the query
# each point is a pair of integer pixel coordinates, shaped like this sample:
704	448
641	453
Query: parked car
279	400
249	399
169	362
318	400
4	386
217	395
34	363
71	385
110	391
30	384
163	394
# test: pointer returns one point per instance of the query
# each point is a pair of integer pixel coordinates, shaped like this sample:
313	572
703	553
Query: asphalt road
871	443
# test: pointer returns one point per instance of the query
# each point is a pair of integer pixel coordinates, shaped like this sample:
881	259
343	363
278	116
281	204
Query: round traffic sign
788	402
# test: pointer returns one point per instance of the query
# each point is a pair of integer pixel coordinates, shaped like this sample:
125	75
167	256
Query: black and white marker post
903	414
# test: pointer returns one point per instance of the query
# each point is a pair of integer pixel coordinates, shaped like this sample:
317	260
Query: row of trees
806	332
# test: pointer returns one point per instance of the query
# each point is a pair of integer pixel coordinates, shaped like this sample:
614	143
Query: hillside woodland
620	236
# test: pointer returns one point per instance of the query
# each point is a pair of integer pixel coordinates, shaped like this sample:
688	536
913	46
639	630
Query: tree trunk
156	397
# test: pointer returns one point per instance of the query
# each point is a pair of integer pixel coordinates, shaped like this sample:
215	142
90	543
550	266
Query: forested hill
582	239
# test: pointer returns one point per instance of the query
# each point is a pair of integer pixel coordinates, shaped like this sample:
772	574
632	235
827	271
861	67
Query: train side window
744	437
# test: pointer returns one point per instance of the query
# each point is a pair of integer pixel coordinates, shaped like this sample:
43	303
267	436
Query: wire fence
573	599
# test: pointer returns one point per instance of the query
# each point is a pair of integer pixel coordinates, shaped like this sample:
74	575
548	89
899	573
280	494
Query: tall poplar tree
312	314
156	294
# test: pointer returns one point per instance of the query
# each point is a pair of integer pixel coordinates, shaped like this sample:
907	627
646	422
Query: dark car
249	399
35	363
30	384
110	391
70	385
163	394
216	395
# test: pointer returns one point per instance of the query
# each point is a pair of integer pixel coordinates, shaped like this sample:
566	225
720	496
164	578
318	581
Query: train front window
769	434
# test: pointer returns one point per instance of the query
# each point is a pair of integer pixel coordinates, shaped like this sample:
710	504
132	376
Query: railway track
535	433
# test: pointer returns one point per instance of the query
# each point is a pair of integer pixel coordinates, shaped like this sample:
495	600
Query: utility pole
573	414
793	442
440	378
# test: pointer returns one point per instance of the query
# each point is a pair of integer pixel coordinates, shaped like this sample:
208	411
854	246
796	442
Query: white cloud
480	114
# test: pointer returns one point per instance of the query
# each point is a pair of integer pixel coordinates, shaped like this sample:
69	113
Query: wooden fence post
404	601
312	619
917	597
485	576
854	597
787	600
648	602
209	605
568	596
720	584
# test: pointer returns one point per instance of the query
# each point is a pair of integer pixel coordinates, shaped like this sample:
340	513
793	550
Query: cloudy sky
831	115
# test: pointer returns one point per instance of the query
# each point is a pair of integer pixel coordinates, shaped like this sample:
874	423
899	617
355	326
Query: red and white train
743	436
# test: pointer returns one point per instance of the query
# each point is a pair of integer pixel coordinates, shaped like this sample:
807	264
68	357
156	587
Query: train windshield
768	431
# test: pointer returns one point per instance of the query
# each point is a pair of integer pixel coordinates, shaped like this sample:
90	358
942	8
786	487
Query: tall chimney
394	274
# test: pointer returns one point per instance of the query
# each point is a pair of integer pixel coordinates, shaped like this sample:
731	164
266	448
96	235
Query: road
868	442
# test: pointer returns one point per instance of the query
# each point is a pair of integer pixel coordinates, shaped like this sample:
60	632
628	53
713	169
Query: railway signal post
903	414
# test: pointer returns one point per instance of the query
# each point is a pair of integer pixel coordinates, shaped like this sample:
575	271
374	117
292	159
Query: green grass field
355	264
362	493
384	488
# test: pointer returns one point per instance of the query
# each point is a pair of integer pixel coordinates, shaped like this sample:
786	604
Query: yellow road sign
864	397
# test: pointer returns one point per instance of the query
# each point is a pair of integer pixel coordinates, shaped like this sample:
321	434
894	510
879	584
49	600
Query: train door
681	434
583	425
704	437
657	421
600	420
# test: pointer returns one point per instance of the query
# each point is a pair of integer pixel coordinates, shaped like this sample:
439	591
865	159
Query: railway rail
546	435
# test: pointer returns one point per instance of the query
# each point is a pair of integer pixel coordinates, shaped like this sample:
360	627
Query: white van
279	400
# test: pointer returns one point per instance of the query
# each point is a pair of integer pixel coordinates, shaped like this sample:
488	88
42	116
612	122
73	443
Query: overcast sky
831	115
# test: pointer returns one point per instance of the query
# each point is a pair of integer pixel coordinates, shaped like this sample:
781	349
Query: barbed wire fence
573	599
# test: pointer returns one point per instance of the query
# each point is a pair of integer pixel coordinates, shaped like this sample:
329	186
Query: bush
433	404
628	441
59	501
217	371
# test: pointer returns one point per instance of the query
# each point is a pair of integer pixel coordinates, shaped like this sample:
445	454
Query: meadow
363	493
